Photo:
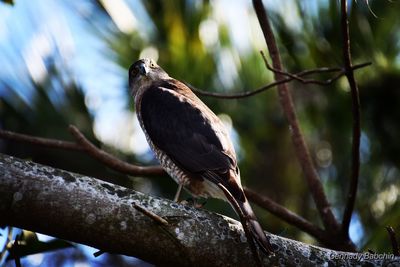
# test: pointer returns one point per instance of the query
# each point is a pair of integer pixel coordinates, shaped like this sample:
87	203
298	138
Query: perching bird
190	141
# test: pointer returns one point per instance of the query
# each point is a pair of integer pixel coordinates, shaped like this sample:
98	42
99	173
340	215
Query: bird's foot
194	202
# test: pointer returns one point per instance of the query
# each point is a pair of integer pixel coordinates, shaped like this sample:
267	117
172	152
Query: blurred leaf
10	2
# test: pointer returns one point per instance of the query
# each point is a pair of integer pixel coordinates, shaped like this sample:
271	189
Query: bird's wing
183	130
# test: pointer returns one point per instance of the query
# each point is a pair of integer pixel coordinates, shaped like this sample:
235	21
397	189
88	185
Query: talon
189	201
200	205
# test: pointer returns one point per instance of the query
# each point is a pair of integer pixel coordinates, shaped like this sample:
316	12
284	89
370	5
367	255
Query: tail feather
255	227
236	197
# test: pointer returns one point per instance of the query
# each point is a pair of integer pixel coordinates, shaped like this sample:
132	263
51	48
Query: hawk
190	141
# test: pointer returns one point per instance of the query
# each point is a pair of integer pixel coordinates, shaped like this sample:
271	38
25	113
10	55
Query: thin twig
110	160
298	78
393	240
355	104
341	72
237	95
291	77
300	147
151	215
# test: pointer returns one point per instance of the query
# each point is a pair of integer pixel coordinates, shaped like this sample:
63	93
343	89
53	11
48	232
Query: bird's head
143	72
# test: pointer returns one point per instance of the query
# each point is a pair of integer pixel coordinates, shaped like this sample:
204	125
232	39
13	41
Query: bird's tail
236	197
251	222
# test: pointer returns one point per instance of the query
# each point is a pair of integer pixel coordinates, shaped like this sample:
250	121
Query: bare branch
112	161
285	214
238	95
85	145
341	72
300	147
296	76
393	240
355	104
46	142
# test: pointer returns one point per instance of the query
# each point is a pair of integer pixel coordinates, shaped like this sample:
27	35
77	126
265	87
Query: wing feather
183	131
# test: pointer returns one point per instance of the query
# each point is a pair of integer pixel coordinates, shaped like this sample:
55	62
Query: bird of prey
190	141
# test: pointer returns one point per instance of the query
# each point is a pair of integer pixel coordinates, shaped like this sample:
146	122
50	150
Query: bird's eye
134	72
152	65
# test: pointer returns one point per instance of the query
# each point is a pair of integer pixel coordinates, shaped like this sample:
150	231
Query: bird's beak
143	69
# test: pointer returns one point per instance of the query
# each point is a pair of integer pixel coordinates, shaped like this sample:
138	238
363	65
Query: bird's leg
178	192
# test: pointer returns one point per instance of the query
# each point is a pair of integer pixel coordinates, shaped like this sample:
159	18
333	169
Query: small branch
46	142
298	78
291	77
85	145
151	215
110	160
285	214
355	103
341	72
393	240
238	95
300	147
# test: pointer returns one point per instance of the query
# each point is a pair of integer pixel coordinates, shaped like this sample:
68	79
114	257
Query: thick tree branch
301	149
102	215
355	104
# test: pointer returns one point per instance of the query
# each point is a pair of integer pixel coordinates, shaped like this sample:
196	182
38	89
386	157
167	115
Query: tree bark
103	215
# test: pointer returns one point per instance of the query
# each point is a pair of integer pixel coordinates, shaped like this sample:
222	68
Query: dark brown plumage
189	140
